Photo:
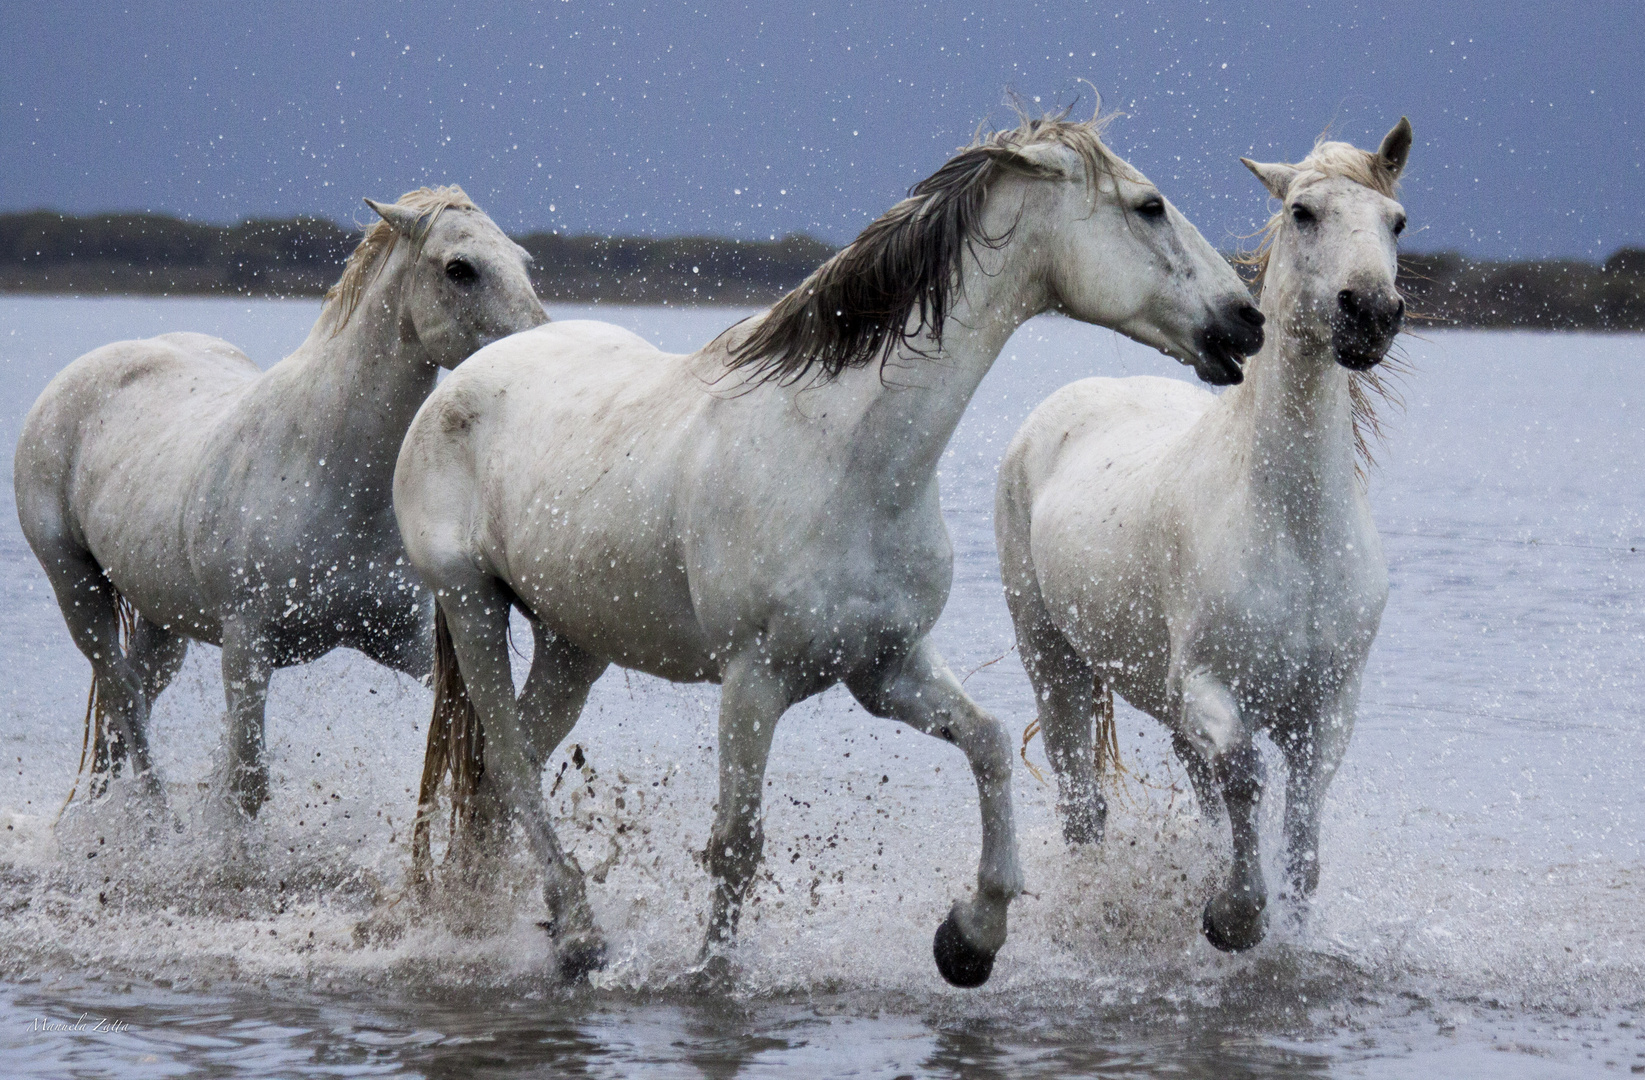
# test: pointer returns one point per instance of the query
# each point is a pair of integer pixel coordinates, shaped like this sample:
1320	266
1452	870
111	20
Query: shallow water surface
1479	913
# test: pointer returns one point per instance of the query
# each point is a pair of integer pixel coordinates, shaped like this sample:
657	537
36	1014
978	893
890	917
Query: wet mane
856	308
373	250
1366	389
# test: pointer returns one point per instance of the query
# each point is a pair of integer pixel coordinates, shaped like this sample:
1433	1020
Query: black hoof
1084	822
1234	941
578	961
960	963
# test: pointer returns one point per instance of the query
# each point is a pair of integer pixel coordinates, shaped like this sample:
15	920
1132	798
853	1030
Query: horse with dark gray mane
763	513
171	490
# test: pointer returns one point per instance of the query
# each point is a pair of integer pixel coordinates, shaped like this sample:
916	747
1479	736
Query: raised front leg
477	619
1200	778
246	671
920	691
1235	918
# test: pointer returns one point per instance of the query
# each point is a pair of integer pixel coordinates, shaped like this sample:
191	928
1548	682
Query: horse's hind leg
555	691
157	654
921	691
91	608
476	617
1063	691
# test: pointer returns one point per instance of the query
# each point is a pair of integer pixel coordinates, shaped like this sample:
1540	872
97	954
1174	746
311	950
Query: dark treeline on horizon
145	254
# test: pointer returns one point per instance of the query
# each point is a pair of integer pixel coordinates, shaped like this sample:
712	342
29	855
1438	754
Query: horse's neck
917	400
1293	412
355	392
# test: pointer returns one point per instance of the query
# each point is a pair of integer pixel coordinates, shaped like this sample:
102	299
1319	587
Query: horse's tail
456	746
94	742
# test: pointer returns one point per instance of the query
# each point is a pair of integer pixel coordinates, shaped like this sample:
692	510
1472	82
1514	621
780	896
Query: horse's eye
1399	225
1302	215
1153	208
461	271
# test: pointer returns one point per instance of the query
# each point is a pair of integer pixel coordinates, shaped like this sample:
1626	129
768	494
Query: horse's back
1089	427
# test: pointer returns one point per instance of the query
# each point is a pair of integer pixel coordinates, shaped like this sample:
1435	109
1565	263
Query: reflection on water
1478	912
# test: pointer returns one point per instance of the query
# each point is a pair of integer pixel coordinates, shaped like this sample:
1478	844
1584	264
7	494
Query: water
1479	912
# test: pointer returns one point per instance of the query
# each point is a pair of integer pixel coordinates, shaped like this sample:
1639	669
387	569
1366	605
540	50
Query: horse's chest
1297	610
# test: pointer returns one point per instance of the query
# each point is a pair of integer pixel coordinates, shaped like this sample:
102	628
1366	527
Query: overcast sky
759	119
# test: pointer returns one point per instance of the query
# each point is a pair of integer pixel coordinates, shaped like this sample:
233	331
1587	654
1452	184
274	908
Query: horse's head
1332	253
1122	256
463	283
1101	244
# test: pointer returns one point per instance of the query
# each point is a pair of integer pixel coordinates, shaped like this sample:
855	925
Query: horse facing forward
170	484
1213	560
764	513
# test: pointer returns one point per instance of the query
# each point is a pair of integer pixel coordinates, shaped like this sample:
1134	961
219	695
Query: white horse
1214	559
171	485
763	513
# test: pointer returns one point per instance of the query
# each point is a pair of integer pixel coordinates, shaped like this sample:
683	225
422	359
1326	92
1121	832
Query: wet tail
95	742
456	746
1105	740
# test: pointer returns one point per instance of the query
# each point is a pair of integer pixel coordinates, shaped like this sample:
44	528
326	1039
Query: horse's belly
641	619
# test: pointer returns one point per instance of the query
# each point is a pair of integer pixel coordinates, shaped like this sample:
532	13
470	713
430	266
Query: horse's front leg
1312	750
246	670
753	698
1235	918
919	690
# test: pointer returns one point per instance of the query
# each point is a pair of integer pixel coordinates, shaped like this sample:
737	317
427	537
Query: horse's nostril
1399	309
1251	315
1348	301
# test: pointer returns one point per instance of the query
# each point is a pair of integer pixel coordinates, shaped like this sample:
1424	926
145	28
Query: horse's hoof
1233	936
579	959
959	962
1083	823
713	974
248	791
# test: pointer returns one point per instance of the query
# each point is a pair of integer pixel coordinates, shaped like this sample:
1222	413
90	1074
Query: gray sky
760	119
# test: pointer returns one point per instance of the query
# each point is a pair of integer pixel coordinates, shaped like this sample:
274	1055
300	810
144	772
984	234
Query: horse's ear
1396	147
1275	177
1047	159
406	222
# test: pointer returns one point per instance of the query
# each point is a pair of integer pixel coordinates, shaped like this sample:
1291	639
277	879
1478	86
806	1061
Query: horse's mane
1366	389
373	250
858	305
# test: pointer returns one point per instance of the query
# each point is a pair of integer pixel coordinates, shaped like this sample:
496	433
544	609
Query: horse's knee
984	740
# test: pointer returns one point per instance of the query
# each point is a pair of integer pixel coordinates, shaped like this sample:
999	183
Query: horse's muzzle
1225	343
1364	327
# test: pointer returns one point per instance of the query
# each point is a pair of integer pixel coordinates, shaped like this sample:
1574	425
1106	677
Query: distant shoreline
45	253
